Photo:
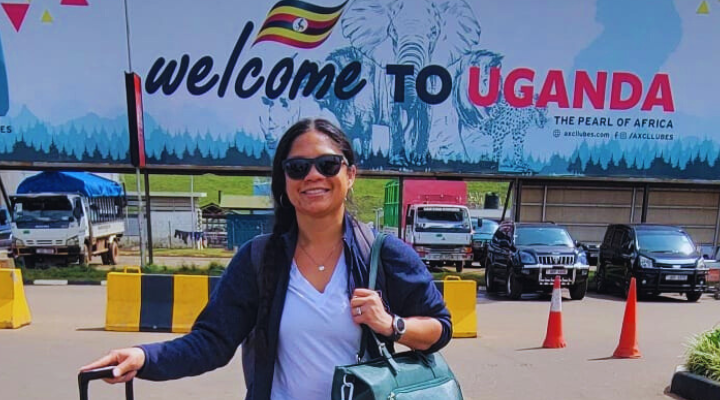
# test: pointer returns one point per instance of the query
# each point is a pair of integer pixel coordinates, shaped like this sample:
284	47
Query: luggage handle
85	377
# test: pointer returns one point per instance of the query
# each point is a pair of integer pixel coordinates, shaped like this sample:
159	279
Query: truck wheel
514	287
693	296
490	281
458	266
578	290
112	254
28	261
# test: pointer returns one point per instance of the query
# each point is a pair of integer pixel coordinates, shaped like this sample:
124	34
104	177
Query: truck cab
440	233
5	229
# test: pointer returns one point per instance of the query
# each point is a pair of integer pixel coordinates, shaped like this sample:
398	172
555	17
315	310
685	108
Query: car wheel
490	281
601	280
693	296
578	290
514	287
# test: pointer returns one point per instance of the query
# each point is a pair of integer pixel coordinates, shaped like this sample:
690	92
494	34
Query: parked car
662	259
483	231
526	257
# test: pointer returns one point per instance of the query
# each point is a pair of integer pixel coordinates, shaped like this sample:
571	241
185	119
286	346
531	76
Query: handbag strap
375	261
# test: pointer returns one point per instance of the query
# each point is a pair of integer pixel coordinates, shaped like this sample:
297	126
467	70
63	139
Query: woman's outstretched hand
127	362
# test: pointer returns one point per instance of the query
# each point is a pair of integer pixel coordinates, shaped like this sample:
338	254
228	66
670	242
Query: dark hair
285	217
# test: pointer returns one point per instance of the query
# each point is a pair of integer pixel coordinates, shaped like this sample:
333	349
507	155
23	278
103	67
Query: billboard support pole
518	199
646	198
507	200
717	232
4	194
401	211
139	218
148	218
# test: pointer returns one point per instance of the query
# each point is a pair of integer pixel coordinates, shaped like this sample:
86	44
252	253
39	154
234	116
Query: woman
305	303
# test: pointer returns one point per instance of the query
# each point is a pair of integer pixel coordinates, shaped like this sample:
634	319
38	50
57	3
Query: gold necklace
320	266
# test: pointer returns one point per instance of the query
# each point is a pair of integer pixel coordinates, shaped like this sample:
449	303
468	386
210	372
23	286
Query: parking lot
40	361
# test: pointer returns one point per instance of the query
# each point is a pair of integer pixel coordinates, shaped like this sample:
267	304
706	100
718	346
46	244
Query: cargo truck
435	220
67	217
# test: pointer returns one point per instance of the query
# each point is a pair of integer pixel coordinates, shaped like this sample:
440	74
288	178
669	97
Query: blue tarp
84	183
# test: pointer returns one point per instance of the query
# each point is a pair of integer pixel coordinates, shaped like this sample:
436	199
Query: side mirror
629	248
77	213
577	243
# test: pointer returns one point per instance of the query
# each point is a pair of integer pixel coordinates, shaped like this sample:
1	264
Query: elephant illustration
281	114
357	115
413	33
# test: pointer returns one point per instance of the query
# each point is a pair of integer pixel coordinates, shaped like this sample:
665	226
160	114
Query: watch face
400	325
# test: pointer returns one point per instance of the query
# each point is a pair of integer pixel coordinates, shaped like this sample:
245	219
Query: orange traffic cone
554	338
628	346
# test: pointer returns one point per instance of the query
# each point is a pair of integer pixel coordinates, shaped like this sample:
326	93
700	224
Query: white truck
67	217
440	233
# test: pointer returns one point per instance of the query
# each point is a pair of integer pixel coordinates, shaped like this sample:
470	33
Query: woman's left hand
367	308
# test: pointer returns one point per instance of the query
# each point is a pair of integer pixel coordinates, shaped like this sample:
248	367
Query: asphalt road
40	361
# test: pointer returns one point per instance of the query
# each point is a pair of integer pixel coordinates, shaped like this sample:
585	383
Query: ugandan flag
299	24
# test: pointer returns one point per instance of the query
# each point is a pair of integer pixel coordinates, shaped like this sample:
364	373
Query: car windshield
488	226
541	236
669	242
42	209
443	219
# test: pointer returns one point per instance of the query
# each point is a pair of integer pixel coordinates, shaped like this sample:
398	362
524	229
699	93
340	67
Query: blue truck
67	217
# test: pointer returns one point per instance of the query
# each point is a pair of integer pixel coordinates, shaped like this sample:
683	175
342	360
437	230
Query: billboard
559	88
62	91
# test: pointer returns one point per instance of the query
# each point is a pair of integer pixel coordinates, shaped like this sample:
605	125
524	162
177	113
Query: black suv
527	257
661	258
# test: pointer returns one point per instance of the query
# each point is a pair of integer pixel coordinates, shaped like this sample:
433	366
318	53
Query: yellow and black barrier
155	303
460	298
14	310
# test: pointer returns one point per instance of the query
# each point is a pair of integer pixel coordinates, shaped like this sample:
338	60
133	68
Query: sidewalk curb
63	282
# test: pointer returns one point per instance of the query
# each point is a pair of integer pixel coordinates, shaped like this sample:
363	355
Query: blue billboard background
604	88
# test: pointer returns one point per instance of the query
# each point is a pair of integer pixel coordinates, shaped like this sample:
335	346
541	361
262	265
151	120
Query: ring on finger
358	311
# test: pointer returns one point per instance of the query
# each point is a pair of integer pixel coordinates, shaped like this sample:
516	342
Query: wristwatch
398	325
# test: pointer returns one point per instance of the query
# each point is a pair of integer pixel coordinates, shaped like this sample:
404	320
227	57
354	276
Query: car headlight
646	262
582	259
18	242
527	258
73	241
701	264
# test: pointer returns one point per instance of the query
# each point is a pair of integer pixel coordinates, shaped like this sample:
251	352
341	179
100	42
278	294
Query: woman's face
316	195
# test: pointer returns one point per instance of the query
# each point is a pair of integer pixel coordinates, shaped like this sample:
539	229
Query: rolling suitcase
85	377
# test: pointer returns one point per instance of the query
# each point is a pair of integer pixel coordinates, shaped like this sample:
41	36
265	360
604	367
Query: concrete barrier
14	310
460	298
155	303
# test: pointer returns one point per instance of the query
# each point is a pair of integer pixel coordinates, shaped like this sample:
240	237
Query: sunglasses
328	165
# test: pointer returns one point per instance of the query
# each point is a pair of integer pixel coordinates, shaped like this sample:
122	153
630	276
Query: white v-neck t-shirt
316	334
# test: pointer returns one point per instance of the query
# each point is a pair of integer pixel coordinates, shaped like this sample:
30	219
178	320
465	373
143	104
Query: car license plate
556	272
45	251
676	278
